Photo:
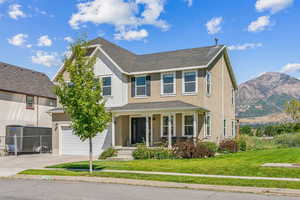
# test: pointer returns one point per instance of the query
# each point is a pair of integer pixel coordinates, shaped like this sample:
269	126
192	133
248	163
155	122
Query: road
12	189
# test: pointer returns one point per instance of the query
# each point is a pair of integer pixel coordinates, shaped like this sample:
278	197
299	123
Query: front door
138	130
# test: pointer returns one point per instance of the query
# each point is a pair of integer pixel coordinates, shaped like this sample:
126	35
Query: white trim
135	87
168	70
113	133
162	125
205	122
183	83
151	129
208	73
233	128
183	124
147	131
111	60
162	84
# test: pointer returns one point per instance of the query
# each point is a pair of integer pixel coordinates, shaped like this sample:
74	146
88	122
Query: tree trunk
91	155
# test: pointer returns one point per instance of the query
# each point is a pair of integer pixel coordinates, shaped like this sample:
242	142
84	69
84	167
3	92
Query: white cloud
272	5
46	59
18	40
260	24
189	2
214	25
132	35
245	46
124	15
69	39
15	11
44	41
291	67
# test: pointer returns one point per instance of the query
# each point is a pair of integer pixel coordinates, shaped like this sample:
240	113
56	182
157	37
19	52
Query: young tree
292	108
81	96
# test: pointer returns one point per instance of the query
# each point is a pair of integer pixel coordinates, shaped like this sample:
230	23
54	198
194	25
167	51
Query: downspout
37	112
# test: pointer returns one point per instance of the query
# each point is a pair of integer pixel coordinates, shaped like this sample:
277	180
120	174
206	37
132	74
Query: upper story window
188	125
141	86
168	83
29	102
208	83
189	82
106	86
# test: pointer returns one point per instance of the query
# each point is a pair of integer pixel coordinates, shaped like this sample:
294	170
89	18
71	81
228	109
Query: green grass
168	178
238	164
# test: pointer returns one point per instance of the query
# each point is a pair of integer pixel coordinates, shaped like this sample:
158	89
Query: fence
14	145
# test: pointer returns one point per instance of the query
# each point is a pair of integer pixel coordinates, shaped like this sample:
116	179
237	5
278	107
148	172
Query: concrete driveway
11	165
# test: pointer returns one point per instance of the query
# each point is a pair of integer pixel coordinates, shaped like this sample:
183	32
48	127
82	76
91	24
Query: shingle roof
155	106
25	81
130	62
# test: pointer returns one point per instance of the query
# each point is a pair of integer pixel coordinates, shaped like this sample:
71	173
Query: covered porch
157	123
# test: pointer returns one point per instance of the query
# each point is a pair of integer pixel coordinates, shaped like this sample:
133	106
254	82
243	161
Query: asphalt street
13	189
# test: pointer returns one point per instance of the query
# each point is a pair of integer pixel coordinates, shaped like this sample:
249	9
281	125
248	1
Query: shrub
242	144
247	130
288	140
257	143
108	153
143	153
229	145
188	149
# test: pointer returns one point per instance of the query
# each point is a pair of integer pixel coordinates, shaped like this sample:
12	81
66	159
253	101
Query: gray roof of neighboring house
25	81
130	62
157	106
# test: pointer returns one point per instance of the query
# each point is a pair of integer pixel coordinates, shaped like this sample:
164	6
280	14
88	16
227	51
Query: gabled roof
25	81
131	63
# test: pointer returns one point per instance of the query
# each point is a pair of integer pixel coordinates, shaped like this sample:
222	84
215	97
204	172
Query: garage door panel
72	145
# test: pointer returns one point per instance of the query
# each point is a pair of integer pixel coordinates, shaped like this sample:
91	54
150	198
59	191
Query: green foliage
288	140
108	153
187	149
257	143
81	95
143	153
292	108
247	130
242	144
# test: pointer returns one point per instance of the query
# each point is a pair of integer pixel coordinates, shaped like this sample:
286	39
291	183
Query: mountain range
266	95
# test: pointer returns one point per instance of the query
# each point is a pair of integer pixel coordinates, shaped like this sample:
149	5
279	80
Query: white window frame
225	127
210	83
206	124
107	86
183	124
233	128
183	83
162	125
162	84
136	86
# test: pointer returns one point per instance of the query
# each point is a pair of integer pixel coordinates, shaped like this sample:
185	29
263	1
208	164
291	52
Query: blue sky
263	35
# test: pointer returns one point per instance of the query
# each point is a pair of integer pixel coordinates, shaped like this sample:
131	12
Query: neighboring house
25	98
155	98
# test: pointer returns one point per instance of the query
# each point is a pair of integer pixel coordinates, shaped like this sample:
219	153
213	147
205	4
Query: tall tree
292	108
81	96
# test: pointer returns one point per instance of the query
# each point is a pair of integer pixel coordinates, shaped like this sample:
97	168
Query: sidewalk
268	191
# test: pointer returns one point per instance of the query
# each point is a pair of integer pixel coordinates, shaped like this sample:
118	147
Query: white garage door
72	145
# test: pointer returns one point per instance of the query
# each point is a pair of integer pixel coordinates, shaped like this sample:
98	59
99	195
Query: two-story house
25	98
158	98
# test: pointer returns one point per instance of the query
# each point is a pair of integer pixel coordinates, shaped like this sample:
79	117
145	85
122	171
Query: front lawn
168	178
238	164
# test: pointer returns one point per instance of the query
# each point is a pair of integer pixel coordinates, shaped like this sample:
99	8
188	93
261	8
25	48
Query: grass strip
170	178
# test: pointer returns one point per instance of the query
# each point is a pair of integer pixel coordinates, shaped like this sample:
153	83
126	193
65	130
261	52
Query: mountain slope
266	94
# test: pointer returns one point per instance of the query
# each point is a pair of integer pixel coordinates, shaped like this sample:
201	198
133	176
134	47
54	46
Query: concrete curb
255	190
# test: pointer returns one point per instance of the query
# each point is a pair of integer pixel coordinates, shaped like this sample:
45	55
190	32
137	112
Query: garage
72	145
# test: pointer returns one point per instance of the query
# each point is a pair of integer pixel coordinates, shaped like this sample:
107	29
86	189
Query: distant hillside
266	94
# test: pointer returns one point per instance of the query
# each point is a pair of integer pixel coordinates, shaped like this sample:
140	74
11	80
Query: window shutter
148	85
132	86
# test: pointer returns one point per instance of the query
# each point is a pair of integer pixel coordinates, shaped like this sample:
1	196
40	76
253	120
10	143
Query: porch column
169	132
195	127
147	130
151	130
113	134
